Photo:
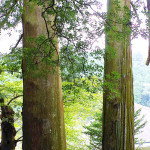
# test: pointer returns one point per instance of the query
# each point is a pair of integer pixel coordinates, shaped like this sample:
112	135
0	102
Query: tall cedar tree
118	105
43	114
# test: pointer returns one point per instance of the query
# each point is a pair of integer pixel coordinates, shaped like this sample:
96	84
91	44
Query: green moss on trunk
43	116
118	105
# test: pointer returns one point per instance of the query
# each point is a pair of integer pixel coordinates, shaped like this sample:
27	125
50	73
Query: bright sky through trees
9	37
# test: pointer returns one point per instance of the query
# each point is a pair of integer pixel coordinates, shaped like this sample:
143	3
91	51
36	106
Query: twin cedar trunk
118	106
43	114
43	120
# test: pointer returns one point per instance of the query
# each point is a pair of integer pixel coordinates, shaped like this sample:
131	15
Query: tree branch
18	41
134	9
19	139
148	58
8	13
14	99
18	130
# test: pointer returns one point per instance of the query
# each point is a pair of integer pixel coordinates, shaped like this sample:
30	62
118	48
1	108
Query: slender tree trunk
43	114
118	105
8	130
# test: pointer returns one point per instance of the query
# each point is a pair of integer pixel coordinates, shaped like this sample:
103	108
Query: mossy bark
43	114
118	104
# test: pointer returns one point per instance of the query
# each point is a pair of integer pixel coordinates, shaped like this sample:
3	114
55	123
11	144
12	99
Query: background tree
81	101
7	126
118	105
11	106
94	130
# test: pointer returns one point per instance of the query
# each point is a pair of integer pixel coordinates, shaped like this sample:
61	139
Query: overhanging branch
18	41
14	99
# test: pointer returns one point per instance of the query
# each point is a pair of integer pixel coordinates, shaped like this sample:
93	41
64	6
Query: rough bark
8	130
43	114
118	104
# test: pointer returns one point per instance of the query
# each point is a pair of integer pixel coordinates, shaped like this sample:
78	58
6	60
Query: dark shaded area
8	129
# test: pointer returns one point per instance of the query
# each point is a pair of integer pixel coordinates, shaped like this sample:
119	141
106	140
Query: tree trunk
43	114
8	130
118	104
